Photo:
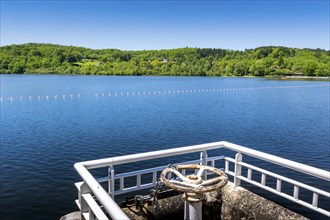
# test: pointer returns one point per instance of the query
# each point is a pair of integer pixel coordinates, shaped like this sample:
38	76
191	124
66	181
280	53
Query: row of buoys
163	92
47	97
167	92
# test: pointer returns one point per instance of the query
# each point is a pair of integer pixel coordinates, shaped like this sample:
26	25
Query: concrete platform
231	203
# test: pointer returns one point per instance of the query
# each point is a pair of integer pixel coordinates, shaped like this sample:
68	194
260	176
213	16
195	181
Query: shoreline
307	77
224	76
268	77
320	78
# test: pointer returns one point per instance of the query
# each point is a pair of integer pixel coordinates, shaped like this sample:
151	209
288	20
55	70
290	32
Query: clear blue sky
138	25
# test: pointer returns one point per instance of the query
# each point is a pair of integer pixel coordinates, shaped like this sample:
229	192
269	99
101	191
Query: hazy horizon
162	48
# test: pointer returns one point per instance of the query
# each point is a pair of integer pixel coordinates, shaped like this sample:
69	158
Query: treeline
263	61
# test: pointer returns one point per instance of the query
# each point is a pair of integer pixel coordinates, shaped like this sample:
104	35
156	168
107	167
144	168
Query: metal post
193	210
203	158
238	169
83	204
193	206
186	210
111	182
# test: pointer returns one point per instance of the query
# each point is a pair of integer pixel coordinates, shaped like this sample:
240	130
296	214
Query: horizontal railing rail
106	198
313	171
278	186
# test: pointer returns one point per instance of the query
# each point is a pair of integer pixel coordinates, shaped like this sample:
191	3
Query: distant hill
262	61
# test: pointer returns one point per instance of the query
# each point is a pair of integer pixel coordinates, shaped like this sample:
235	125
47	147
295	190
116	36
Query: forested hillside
263	61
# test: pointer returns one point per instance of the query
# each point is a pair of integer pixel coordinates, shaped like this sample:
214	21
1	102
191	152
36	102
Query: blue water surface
92	117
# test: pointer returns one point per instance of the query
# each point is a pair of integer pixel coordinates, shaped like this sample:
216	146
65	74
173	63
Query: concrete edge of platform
232	203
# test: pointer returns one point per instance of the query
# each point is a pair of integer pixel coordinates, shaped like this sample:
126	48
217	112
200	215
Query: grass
86	62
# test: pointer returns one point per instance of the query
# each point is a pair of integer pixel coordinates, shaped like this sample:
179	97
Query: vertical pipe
186	210
193	210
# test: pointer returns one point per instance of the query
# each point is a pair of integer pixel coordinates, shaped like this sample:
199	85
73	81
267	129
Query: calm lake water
54	121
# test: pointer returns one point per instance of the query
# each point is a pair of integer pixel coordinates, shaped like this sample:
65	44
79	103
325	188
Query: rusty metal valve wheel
194	183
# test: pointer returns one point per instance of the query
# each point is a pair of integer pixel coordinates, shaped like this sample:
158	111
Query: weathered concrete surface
71	216
212	205
173	208
231	203
239	203
167	208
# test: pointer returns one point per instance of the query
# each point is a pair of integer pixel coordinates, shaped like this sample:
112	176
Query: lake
50	122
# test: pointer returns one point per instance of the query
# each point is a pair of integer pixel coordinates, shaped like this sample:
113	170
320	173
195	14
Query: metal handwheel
193	186
194	183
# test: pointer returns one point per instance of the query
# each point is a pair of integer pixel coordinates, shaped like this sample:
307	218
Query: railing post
111	182
315	199
238	169
91	215
296	192
226	166
83	204
279	185
203	158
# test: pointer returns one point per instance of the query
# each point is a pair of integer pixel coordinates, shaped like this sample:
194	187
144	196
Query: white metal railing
95	202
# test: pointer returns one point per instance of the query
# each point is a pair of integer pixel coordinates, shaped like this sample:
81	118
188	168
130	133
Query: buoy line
152	93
